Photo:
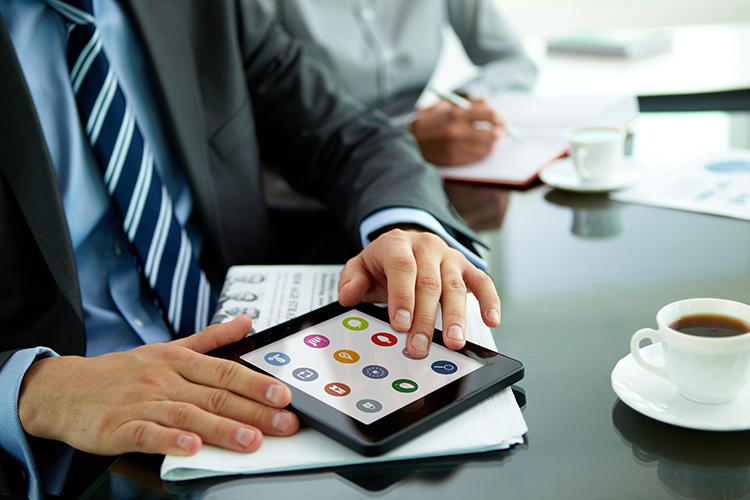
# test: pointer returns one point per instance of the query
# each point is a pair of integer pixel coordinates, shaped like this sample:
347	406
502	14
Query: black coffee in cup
710	325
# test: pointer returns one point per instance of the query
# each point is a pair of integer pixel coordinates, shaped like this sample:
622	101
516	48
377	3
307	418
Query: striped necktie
140	197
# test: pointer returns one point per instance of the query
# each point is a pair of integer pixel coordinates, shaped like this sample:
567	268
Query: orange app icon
337	389
346	356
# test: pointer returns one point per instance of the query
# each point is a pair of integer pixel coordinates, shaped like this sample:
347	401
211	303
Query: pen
462	102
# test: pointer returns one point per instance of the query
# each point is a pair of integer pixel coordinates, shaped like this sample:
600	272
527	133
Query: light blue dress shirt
119	311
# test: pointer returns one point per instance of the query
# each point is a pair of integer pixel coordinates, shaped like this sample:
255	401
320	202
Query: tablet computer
353	380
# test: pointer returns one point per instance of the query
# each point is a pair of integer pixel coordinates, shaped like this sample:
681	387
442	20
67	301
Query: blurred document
714	183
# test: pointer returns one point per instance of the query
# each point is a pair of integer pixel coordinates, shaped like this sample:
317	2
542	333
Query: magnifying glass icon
444	367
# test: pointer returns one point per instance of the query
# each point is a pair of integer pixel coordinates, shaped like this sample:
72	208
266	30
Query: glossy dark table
578	275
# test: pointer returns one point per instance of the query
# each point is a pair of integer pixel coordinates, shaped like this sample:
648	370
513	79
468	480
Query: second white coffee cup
705	369
597	152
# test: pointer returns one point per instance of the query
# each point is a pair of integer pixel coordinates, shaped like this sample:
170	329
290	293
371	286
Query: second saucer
563	175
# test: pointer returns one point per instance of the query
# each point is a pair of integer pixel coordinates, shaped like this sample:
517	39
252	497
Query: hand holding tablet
353	379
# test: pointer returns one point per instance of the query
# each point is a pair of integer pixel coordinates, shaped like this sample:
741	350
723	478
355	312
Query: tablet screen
359	365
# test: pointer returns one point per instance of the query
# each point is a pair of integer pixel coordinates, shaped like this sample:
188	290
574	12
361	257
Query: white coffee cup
704	369
597	152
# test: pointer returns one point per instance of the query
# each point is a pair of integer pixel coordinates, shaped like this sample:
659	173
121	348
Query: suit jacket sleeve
490	43
327	144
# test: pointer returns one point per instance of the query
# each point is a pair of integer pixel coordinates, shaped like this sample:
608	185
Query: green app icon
405	385
355	323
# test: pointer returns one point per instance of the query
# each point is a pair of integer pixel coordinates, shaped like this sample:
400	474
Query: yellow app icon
346	356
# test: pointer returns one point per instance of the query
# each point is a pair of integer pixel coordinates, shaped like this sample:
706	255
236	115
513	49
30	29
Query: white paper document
714	183
273	294
545	122
494	424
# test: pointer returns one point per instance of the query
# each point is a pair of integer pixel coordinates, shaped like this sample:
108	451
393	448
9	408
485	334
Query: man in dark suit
231	91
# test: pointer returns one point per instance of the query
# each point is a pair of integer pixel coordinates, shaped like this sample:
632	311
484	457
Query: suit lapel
27	167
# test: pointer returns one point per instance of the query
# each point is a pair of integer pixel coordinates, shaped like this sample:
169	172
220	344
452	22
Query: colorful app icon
444	367
346	356
369	405
384	339
338	389
277	359
356	324
317	341
375	371
305	374
405	385
406	354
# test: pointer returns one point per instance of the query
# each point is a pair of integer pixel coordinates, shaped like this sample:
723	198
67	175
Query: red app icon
337	389
384	339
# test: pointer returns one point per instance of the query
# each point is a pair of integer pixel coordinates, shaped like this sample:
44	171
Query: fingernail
403	318
455	332
282	421
419	342
185	442
274	394
245	436
493	314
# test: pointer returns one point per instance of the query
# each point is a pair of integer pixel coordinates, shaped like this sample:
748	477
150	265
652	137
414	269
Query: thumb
354	283
215	336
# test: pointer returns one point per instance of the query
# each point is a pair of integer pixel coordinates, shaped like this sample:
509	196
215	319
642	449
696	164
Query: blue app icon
305	374
444	367
277	359
375	371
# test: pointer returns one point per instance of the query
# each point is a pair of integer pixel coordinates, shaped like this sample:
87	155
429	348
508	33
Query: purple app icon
317	341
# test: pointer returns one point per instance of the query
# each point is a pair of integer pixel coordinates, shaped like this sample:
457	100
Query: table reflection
136	476
482	206
594	215
689	463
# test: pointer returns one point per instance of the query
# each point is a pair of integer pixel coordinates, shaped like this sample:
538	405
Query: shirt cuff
51	478
405	121
391	216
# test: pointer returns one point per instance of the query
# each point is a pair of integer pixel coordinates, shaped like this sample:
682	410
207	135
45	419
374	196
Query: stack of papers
494	424
544	123
623	42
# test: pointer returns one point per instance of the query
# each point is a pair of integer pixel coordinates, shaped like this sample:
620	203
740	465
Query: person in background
115	112
384	52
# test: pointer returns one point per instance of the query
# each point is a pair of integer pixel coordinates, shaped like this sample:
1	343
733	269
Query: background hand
449	135
414	271
159	398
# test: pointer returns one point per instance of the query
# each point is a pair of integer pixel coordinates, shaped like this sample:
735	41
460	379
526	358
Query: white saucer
562	175
659	399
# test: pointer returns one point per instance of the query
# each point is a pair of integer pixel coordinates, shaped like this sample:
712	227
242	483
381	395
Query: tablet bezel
498	372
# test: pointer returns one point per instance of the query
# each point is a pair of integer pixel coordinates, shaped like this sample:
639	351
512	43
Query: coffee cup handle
580	161
635	349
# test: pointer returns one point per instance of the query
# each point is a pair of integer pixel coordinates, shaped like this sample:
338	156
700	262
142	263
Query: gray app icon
369	406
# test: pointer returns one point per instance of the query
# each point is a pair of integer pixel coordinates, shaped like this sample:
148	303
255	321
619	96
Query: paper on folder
494	424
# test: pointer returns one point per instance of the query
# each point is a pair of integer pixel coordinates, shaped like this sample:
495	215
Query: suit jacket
236	92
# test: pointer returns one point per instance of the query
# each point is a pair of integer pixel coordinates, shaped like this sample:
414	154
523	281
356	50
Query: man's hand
414	271
159	398
449	135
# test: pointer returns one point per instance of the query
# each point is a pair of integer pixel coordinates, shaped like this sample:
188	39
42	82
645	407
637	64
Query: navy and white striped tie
140	197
